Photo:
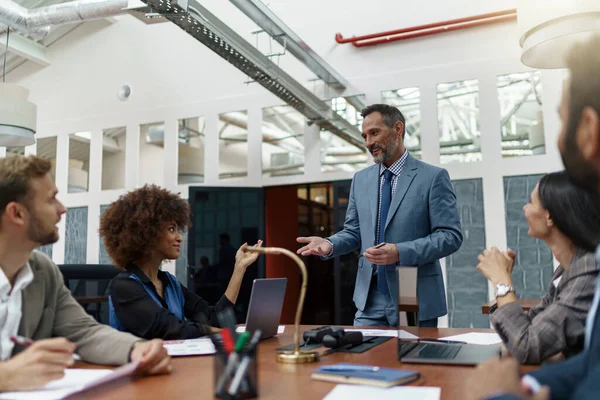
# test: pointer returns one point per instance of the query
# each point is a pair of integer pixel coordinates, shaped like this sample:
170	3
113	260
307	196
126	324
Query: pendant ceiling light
18	117
549	28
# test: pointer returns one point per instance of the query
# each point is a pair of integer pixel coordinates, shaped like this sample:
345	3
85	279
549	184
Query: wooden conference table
193	376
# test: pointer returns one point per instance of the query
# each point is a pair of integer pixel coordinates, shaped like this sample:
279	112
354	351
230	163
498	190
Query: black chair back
90	284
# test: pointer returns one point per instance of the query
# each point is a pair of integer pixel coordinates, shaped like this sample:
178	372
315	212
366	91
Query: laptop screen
408	307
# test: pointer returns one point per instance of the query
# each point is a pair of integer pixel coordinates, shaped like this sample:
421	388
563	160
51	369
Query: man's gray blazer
422	221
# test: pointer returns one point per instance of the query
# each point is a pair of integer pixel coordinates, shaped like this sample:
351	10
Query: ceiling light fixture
18	117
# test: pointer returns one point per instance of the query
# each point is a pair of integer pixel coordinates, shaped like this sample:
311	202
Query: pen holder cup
241	382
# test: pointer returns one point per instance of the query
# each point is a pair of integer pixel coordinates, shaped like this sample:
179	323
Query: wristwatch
503	289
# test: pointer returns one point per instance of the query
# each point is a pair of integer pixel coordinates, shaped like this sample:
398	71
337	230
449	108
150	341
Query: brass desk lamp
295	356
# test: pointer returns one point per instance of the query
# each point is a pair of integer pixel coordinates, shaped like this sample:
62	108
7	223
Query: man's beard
386	152
580	172
36	232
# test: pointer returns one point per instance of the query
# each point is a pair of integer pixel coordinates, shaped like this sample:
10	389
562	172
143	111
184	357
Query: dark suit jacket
422	222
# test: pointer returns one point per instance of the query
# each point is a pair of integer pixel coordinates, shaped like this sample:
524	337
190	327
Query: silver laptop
421	351
266	302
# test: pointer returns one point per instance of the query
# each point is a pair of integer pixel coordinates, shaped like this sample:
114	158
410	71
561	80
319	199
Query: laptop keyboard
445	351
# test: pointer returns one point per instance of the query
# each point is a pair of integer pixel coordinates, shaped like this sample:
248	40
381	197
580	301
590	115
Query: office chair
90	284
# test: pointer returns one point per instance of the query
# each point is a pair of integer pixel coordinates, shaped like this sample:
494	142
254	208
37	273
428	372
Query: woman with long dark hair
567	219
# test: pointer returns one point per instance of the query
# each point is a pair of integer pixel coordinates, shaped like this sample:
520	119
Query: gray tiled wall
181	264
467	288
76	235
534	266
47	249
103	257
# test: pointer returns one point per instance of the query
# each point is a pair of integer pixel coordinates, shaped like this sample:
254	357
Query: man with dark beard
577	378
34	302
401	211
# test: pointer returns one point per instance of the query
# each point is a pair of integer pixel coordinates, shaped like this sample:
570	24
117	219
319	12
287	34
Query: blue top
136	307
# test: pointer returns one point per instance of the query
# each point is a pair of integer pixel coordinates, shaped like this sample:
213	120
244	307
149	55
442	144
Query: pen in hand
26	342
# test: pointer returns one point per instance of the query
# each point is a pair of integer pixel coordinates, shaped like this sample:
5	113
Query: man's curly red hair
134	223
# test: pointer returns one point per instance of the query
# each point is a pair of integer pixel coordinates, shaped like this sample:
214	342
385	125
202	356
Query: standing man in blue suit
577	378
407	207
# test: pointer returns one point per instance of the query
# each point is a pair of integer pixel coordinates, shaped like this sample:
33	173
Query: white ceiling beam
25	48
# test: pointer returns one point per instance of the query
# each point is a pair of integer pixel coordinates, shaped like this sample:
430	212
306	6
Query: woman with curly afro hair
141	230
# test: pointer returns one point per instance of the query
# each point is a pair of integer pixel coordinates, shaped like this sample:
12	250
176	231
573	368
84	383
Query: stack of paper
75	380
475	338
242	328
189	347
352	392
384	332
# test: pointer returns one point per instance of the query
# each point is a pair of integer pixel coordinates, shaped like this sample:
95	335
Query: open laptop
423	352
265	306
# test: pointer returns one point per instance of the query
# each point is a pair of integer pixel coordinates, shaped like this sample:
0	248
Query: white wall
174	77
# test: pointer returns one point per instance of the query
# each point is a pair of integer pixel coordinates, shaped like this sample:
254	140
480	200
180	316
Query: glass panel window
458	121
113	158
191	151
521	118
79	162
337	154
233	145
282	141
152	153
408	101
46	148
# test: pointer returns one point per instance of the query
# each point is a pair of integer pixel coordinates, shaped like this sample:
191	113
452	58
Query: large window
152	153
113	158
408	101
458	121
521	124
336	153
79	162
282	141
46	148
233	145
190	142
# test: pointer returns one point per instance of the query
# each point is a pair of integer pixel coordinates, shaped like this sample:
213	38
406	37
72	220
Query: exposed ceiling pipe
428	29
35	20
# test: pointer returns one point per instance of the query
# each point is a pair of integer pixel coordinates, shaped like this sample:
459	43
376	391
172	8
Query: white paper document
189	347
475	338
240	329
75	380
383	332
354	392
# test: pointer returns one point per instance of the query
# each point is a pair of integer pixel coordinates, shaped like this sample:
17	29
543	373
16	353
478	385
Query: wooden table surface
526	305
193	376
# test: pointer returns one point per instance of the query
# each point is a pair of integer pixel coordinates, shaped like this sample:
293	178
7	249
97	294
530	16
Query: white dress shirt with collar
11	299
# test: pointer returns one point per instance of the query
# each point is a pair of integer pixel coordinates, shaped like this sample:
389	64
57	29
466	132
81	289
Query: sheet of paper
476	338
356	392
75	380
242	328
384	332
189	347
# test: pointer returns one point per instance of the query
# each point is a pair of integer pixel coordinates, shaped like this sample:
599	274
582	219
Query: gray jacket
557	324
49	310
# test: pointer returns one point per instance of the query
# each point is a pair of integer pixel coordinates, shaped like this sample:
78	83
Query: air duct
197	21
35	20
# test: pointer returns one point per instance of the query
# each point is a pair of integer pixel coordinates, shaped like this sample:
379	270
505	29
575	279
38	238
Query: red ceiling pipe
433	31
340	39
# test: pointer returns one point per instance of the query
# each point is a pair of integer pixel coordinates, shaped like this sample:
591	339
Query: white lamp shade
549	28
18	117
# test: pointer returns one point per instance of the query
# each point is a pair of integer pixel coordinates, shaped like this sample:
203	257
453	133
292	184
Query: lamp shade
549	28
18	117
